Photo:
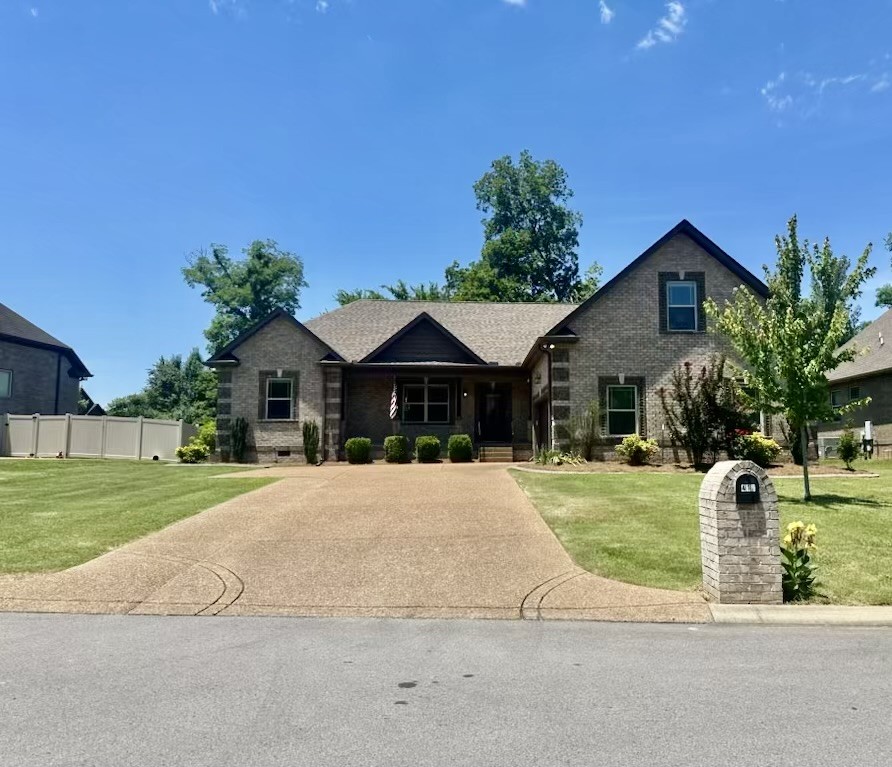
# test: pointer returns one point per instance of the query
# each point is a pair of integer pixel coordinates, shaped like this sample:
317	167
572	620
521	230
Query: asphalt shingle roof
498	333
875	345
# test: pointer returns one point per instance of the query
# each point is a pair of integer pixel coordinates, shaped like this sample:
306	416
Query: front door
494	412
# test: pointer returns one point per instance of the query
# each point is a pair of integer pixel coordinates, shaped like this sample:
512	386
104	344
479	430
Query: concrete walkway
415	541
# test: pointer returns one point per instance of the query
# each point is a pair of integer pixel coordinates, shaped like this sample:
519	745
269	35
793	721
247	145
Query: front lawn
643	528
57	514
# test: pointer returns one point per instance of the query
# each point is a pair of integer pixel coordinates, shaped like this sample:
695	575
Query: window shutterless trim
425	402
7	392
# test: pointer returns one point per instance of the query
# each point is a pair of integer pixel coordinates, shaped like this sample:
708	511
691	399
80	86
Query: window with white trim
426	402
681	305
622	410
278	398
5	383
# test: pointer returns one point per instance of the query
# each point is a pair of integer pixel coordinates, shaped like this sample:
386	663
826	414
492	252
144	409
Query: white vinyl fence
85	436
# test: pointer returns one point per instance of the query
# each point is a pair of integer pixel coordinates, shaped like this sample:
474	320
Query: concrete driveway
437	540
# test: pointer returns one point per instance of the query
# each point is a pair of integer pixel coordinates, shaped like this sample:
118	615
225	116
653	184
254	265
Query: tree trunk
804	440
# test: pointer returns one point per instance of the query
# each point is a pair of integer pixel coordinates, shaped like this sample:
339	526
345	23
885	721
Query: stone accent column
560	396
332	427
740	542
224	414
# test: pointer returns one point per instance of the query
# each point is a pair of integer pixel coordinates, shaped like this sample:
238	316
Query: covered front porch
490	404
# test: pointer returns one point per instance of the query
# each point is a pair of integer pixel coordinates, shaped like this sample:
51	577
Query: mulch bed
615	467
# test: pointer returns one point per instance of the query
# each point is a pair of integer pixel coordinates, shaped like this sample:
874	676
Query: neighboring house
510	375
868	375
38	373
87	406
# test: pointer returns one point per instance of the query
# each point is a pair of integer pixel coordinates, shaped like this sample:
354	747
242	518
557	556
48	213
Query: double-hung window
279	398
681	305
5	383
426	402
622	410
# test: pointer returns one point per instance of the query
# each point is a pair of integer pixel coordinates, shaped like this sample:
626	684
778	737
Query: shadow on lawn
829	500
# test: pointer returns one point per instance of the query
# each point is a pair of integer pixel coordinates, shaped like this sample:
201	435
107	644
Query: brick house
868	375
510	375
38	373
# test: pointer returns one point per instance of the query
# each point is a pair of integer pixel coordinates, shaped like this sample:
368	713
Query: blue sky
133	132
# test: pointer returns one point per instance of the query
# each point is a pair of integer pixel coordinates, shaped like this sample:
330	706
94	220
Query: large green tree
175	388
789	343
884	292
399	291
246	290
531	236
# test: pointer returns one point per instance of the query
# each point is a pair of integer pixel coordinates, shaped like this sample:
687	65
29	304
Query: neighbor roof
875	345
14	327
499	333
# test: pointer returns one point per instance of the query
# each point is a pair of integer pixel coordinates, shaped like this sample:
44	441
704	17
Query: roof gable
424	340
686	228
16	329
227	353
874	345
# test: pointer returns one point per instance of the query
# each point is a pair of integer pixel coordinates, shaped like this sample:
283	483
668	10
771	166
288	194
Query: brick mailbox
739	535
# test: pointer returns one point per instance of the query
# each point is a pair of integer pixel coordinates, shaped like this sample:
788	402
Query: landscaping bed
56	514
775	470
642	526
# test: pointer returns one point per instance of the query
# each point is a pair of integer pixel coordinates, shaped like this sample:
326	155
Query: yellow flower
788	539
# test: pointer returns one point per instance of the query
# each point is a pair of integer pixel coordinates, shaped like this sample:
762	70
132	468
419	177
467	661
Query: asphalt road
127	690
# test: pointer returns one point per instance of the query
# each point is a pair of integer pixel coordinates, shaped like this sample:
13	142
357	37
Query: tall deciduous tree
531	236
175	388
884	292
244	291
399	291
790	343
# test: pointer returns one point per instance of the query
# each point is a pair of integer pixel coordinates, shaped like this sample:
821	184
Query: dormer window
681	305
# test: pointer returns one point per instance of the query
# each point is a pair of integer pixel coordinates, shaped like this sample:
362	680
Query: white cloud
607	13
516	3
35	12
321	6
772	91
884	83
668	27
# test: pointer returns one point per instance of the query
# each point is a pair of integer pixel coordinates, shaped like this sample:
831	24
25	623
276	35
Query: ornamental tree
789	343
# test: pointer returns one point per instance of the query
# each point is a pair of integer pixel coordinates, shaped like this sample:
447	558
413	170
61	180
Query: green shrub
311	441
637	451
396	449
460	448
207	435
557	458
427	449
358	450
848	448
798	579
757	448
238	439
194	452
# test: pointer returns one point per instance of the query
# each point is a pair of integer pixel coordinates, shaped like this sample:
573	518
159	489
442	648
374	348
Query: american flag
394	410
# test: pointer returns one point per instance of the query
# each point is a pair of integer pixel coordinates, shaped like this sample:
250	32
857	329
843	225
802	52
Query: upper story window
426	402
279	393
5	383
681	305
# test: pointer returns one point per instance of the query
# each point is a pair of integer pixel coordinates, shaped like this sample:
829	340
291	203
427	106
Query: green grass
644	529
57	514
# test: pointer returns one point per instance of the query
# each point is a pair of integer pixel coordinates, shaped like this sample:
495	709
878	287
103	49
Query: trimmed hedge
358	450
194	452
460	448
396	449
427	449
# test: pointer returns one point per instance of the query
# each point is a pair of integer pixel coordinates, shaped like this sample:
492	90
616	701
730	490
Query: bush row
427	449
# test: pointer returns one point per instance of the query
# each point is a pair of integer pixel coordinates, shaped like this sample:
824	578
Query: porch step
498	454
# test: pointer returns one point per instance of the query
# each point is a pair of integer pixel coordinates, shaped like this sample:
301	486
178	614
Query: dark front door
494	412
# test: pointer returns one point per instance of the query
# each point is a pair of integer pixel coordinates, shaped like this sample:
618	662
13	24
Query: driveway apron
437	540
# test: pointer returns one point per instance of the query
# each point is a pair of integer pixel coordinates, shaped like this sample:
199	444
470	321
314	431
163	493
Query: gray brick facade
622	334
36	374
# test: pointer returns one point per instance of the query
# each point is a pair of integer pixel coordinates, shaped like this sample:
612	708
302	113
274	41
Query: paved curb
803	615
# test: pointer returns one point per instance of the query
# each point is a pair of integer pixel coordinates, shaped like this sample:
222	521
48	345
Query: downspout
58	381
